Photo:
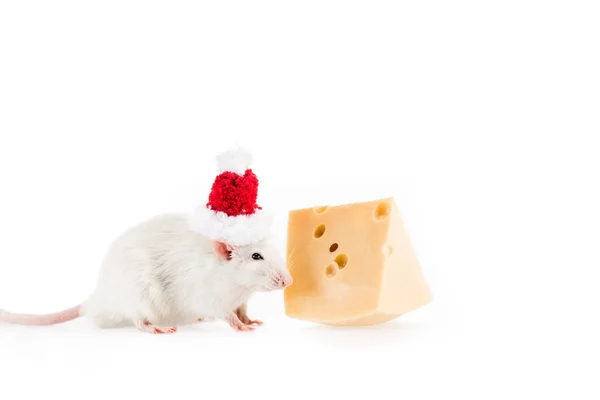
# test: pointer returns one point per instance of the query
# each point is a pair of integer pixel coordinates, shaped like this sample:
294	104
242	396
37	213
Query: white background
480	118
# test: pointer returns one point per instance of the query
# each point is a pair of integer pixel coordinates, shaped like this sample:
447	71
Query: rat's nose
284	280
287	280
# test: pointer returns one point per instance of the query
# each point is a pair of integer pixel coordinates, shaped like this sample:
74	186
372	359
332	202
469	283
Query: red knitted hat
231	214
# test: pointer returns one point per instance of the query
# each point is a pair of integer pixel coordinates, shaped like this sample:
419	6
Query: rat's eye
256	256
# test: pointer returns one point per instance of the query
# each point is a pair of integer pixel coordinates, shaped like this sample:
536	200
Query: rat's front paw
247	321
241	314
233	321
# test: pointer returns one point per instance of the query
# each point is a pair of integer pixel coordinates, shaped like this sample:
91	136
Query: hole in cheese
320	209
319	231
341	260
382	211
387	249
330	271
333	247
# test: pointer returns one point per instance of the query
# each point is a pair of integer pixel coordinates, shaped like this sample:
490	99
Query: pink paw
171	329
242	327
146	326
238	325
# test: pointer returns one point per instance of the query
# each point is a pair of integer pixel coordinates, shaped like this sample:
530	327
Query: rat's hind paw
146	326
169	329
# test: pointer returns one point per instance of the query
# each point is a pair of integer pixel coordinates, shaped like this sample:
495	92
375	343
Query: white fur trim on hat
235	160
238	230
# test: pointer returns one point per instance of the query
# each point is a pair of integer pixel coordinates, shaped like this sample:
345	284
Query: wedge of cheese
352	264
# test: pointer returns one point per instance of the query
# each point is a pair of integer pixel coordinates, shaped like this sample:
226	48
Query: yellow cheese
352	264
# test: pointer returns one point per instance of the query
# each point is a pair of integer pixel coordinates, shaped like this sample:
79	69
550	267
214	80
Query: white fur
162	271
238	230
236	160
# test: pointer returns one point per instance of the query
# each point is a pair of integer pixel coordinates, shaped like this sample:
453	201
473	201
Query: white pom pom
235	160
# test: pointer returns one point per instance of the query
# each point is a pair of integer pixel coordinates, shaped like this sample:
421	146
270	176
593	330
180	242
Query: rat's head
258	267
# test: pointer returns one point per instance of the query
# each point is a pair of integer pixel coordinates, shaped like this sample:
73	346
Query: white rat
161	274
177	269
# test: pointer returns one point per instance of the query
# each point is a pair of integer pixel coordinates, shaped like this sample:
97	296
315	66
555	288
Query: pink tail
48	319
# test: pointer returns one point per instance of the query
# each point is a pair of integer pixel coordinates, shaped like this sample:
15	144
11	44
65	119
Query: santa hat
231	214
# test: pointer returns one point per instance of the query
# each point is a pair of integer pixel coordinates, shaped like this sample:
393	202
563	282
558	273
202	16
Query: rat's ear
222	250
